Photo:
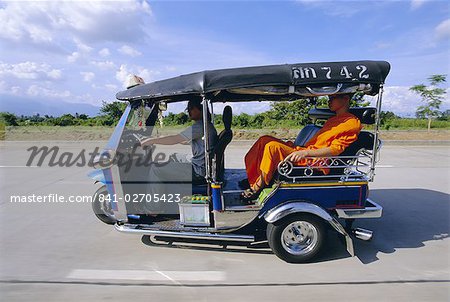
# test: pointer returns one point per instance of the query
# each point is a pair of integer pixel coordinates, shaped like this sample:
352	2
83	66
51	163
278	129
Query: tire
305	245
101	212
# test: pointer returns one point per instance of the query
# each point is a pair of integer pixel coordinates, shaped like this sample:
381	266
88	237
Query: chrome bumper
372	210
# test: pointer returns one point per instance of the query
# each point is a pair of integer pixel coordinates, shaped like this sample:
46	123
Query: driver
192	135
338	132
179	168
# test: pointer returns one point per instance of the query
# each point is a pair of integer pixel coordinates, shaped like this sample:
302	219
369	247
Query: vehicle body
293	214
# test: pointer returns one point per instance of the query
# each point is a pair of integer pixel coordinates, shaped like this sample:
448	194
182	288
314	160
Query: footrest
372	210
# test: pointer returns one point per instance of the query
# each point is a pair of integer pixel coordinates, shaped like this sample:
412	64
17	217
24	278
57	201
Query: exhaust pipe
362	234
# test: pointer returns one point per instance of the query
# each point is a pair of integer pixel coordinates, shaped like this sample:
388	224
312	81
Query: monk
338	132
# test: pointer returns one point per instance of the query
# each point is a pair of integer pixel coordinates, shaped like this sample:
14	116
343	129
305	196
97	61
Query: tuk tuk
294	214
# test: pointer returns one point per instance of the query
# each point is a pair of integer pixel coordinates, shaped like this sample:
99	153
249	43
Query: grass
97	133
416	124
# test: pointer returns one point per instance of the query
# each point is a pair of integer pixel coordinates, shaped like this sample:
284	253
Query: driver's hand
297	156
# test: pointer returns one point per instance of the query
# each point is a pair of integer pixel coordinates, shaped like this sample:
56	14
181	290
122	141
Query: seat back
223	140
365	141
306	134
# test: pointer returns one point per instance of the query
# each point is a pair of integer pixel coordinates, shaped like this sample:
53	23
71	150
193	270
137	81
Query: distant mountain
31	106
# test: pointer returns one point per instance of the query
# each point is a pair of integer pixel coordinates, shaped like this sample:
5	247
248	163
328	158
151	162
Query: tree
10	119
432	97
242	120
296	111
65	120
113	110
387	115
386	118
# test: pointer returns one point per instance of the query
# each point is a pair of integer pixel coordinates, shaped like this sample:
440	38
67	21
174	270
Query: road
60	251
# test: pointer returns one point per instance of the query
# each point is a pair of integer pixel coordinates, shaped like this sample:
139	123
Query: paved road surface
56	252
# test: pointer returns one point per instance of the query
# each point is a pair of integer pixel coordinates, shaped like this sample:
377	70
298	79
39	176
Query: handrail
351	167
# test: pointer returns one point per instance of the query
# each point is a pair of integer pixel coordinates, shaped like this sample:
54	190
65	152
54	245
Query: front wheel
101	206
296	238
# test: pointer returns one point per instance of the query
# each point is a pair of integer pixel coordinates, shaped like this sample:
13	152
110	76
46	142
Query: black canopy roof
273	82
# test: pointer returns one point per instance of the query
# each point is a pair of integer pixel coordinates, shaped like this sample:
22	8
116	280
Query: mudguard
285	209
97	176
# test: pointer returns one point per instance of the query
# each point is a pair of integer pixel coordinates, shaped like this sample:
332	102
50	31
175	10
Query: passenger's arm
165	140
298	155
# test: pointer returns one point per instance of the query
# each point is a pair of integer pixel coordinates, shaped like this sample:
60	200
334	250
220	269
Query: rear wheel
101	206
296	238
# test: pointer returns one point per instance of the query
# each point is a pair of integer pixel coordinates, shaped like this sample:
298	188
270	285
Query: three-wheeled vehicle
301	205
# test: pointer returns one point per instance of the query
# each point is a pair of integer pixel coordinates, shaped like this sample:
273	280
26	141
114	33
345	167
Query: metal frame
208	175
376	133
357	168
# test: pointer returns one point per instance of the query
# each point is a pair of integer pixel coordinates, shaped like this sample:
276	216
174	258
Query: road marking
384	166
19	166
173	276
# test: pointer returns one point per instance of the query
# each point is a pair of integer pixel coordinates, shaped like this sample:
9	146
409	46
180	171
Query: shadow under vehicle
295	212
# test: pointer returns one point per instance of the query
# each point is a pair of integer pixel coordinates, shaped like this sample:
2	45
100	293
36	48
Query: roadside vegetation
280	117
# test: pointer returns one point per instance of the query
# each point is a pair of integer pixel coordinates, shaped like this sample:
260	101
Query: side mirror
162	106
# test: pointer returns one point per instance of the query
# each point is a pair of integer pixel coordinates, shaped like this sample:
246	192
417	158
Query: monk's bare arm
320	152
298	155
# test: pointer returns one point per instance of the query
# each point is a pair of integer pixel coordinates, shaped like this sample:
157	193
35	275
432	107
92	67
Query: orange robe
267	152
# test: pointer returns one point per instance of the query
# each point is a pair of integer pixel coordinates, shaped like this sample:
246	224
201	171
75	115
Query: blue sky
69	53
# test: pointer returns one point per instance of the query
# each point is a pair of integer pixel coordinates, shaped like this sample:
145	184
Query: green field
97	133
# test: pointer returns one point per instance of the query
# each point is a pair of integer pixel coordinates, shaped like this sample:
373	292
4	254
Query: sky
72	55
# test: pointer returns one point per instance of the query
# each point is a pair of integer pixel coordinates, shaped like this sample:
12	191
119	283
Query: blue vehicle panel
330	198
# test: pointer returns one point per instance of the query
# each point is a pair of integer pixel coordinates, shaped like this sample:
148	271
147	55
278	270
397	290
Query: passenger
338	132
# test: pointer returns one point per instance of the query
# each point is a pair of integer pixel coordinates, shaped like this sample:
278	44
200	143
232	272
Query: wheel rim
299	238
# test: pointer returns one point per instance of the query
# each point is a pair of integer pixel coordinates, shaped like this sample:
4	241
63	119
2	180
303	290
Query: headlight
104	160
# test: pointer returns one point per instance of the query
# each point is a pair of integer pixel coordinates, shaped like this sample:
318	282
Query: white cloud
336	9
443	30
30	71
245	107
83	51
130	51
87	76
39	91
5	89
415	4
54	74
85	98
47	21
104	52
104	64
112	87
403	102
82	47
73	57
124	73
16	90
